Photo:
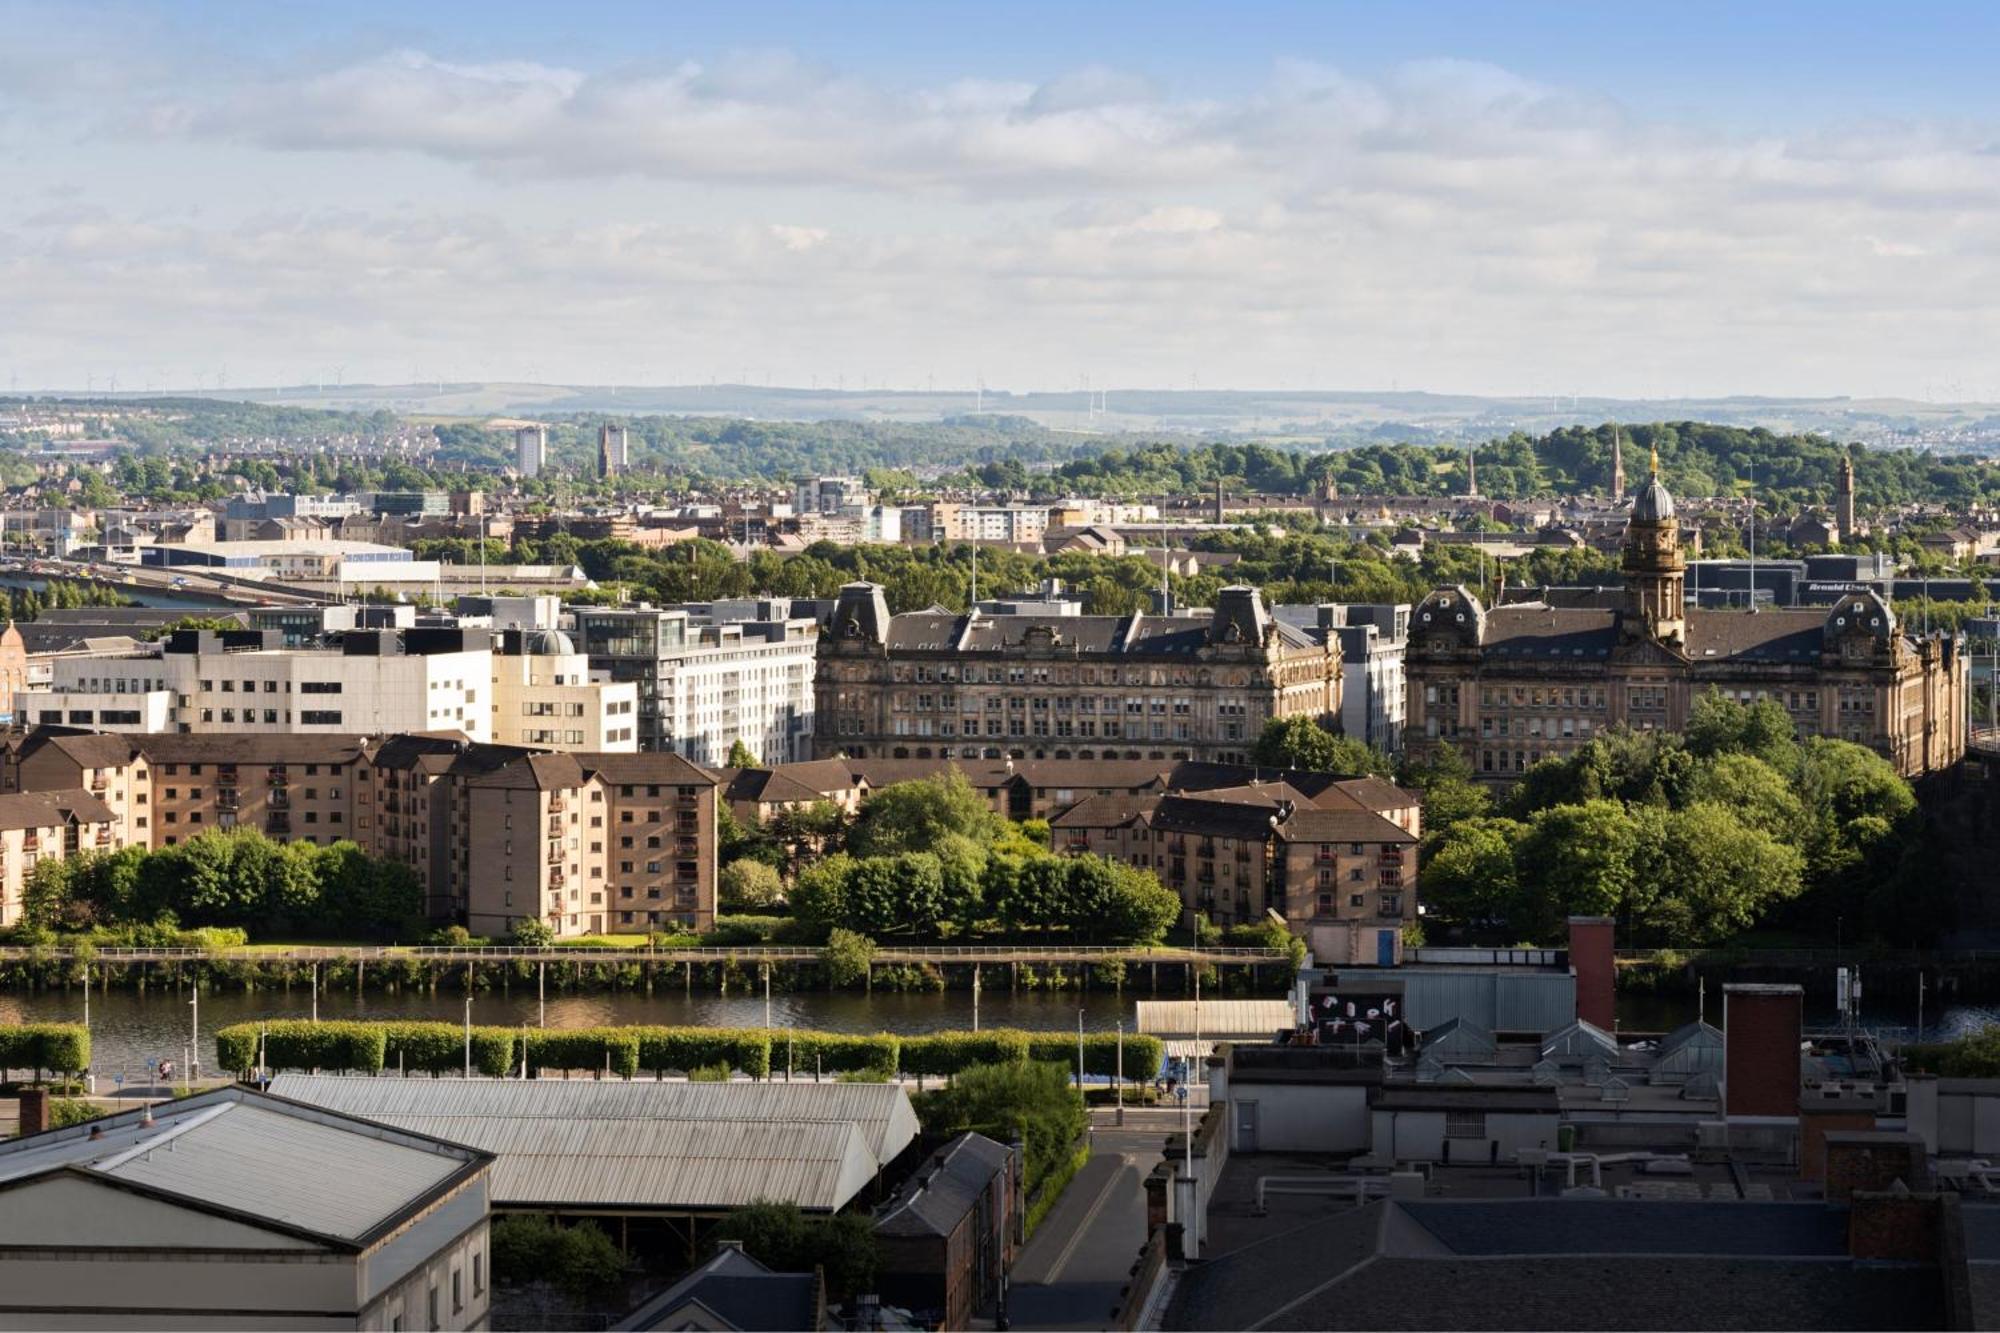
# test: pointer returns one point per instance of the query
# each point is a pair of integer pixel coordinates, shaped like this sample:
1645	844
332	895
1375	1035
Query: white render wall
266	691
750	688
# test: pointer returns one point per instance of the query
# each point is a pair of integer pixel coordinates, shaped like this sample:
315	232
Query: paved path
1070	1275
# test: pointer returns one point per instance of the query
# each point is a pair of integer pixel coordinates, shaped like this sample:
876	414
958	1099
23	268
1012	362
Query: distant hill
1280	416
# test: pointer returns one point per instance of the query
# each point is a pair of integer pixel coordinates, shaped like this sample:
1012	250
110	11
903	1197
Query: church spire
1617	463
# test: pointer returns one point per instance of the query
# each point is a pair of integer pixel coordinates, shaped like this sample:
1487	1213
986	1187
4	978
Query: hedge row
64	1047
440	1048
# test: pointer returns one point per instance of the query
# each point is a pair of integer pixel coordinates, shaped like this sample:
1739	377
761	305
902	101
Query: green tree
740	756
1300	742
1575	860
1715	875
1034	1102
781	1237
1469	873
747	886
847	956
910	816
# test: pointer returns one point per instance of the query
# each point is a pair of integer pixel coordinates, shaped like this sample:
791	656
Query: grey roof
945	1188
302	1169
734	1291
1550	634
1558	1263
48	809
1653	504
1580	1040
646	1144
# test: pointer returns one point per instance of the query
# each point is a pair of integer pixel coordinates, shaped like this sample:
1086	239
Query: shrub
1100	1053
748	884
783	1238
532	933
439	1048
299	1044
838	1053
61	1047
67	1111
847	956
585	1048
530	1247
734	931
1031	1102
683	1050
947	1053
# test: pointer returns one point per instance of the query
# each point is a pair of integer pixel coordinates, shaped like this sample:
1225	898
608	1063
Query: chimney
1897	1226
1872	1162
34	1111
1590	958
1761	1028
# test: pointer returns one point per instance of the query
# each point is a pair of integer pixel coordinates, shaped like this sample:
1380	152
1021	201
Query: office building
1188	685
705	683
1373	639
243	682
1511	685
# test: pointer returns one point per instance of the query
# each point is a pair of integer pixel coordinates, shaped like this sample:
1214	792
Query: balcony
277	822
280	800
100	784
687	846
557	805
555	855
226	798
555	877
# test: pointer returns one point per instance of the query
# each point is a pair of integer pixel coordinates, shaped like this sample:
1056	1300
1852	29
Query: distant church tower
1617	465
1844	512
1472	471
1655	570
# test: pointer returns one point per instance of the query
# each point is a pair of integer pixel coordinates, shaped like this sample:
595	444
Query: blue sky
1643	200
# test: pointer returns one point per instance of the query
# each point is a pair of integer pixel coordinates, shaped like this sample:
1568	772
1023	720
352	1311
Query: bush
737	931
1030	1102
532	933
837	1053
1100	1053
847	955
783	1238
748	884
451	937
594	1049
67	1111
61	1047
301	1044
439	1048
947	1053
530	1247
684	1050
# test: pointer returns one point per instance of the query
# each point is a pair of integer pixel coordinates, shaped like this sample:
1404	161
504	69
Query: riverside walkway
965	955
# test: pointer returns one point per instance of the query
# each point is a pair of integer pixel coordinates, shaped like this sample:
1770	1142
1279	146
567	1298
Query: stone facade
938	684
1511	685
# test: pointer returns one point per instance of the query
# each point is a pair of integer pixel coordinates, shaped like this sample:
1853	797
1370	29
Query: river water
129	1028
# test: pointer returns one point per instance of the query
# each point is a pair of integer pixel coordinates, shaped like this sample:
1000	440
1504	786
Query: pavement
1072	1272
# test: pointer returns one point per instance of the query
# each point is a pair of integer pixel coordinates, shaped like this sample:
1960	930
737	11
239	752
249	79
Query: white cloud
1446	223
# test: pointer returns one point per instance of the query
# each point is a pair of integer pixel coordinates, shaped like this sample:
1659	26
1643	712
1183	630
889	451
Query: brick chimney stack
1590	957
1762	1027
34	1111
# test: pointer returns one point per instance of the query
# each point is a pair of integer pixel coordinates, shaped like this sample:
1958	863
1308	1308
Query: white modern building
1374	639
531	450
231	1209
705	684
376	682
543	697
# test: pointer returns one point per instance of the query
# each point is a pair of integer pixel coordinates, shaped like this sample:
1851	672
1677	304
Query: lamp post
193	1062
1118	1077
1079	1052
468	1036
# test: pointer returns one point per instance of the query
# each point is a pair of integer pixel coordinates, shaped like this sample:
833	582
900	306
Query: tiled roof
648	766
45	809
945	1188
255	748
1549	633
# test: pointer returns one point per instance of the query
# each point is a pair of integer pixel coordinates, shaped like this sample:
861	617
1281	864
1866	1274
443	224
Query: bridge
191	588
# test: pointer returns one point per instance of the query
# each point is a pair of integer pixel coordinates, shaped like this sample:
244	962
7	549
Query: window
1465	1124
434	1307
478	1274
457	1278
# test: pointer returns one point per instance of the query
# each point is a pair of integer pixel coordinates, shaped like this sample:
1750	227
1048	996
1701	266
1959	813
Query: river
129	1028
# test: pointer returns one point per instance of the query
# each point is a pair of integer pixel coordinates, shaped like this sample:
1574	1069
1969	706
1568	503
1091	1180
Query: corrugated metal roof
234	1149
651	1145
882	1111
1221	1019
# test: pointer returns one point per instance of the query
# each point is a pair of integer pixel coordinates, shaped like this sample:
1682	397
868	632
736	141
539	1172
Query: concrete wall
1293	1117
1419	1136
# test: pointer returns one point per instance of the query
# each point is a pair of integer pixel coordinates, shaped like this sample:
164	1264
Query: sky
1521	199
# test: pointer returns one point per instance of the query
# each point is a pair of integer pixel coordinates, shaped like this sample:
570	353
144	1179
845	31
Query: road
1070	1275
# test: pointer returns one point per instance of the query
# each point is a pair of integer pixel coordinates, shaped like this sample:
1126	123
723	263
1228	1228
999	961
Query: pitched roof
533	772
647	766
1532	631
734	1291
1114	810
1771	635
45	809
243	1152
86	749
945	1188
1370	793
253	748
1309	824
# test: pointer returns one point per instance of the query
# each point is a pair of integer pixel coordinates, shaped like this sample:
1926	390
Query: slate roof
1113	811
1558	1264
945	1188
255	748
1549	633
1320	825
1768	636
648	766
45	809
87	749
737	1292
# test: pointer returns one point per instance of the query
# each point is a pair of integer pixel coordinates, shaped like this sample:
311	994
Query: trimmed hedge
439	1048
297	1043
664	1050
63	1047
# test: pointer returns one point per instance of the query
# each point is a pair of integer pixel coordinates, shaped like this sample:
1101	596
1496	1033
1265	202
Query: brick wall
1590	954
1860	1163
1762	1026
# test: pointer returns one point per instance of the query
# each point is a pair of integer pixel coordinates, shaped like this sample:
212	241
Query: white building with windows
544	698
377	682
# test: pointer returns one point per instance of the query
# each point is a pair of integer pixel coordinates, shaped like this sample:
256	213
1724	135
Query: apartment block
705	683
46	825
1339	868
543	697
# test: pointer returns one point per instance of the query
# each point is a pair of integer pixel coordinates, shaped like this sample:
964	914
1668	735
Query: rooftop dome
1653	504
550	643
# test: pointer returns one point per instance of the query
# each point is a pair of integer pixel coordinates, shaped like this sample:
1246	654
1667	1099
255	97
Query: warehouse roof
1219	1019
646	1145
244	1154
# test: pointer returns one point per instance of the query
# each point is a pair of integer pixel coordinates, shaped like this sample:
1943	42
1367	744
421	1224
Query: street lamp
468	1036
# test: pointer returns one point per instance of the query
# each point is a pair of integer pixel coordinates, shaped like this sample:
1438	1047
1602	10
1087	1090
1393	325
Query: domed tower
1655	570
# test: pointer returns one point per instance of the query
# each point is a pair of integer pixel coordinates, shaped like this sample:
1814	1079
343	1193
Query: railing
967	953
